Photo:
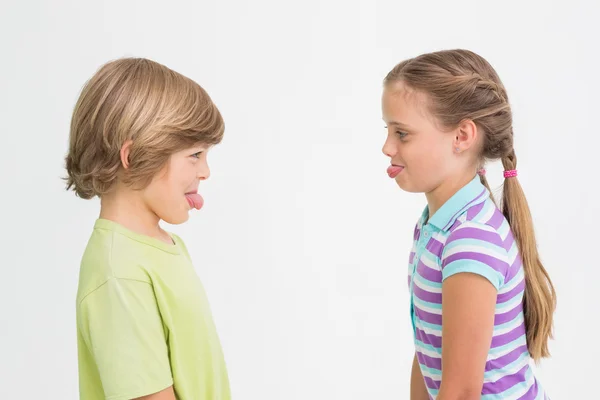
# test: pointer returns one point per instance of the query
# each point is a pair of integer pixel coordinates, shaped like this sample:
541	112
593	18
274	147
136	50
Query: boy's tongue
195	200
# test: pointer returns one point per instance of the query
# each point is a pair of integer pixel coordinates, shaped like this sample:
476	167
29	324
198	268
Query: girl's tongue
195	200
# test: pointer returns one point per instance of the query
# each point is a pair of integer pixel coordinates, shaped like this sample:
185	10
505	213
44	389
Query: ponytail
485	183
540	297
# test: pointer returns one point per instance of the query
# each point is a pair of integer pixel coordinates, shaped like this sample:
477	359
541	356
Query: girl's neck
127	208
441	194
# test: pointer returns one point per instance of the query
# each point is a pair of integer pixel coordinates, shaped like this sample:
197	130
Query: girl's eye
400	134
197	155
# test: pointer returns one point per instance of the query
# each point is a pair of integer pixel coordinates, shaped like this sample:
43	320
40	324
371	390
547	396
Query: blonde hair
461	85
158	109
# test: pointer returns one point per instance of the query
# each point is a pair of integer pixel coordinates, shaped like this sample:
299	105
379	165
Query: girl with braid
481	302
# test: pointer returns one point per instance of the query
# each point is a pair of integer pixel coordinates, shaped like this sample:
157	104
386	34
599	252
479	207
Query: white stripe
428	330
435	377
514	282
424	286
496	354
541	395
421	306
517	395
513	254
493	376
430	263
476	225
504	229
489	213
505	307
440	237
426	352
509	326
476	249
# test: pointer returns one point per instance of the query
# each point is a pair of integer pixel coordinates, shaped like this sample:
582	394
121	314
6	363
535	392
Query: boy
139	138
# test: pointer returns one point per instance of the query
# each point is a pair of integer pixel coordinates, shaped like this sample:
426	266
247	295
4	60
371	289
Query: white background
303	242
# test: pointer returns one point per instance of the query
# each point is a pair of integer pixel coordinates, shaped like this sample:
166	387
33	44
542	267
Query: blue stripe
474	267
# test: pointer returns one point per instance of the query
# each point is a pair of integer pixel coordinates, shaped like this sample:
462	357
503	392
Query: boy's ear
125	150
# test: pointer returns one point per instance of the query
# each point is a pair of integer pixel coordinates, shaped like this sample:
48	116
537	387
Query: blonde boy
140	134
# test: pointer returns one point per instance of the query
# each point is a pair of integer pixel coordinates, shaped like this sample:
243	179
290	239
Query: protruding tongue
394	170
196	201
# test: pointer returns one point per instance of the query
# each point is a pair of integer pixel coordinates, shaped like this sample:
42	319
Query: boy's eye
197	155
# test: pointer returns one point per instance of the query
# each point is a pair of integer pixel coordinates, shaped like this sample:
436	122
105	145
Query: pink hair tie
481	172
510	173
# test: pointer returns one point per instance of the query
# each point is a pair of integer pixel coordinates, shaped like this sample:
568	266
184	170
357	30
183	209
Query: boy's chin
175	219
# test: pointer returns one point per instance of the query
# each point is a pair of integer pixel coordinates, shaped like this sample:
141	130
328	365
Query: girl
473	265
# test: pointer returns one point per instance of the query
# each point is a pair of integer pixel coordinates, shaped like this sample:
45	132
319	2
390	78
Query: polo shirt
470	234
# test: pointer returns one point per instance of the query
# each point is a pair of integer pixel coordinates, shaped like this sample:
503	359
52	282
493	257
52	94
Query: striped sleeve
478	249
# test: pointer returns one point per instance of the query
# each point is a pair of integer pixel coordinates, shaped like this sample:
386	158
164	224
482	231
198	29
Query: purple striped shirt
469	234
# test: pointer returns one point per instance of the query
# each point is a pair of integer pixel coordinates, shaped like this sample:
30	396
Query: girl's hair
461	85
136	99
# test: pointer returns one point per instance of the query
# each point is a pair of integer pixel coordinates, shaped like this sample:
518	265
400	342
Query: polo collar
468	196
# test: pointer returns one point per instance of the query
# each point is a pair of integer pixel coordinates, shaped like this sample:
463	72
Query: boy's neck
127	208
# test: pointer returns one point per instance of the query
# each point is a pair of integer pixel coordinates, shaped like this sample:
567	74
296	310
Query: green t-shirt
143	321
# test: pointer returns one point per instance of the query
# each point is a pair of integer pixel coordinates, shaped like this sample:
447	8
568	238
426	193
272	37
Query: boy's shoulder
110	255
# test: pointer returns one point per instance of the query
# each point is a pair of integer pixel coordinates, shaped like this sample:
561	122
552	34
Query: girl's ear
465	135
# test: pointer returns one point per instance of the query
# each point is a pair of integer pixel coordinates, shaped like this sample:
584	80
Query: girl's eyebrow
396	123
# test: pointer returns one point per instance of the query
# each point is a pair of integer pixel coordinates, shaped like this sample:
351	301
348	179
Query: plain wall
303	242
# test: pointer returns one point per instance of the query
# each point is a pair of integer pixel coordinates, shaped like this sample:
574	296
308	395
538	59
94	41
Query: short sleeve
121	324
478	249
